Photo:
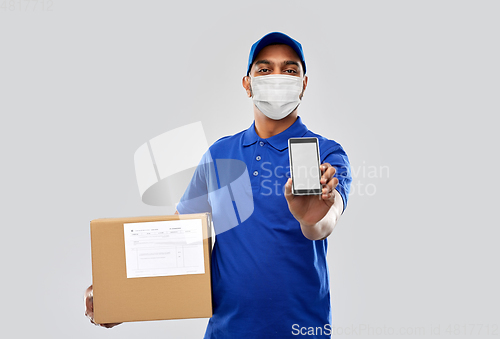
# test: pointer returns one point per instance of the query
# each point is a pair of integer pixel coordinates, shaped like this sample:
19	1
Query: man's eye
290	71
263	70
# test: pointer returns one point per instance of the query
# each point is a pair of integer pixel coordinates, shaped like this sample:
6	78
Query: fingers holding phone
328	181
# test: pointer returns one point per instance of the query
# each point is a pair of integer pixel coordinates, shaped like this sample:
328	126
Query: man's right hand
88	299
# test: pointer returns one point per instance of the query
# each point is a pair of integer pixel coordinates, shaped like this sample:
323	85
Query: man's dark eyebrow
291	62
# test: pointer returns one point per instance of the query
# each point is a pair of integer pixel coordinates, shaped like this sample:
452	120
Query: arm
317	215
323	228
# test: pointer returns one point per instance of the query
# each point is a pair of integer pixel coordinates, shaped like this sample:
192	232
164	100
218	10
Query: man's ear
304	85
246	85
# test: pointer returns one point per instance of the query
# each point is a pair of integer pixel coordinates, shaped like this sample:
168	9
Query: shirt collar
278	141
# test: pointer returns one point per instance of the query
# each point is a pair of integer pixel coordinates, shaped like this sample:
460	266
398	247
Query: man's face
276	59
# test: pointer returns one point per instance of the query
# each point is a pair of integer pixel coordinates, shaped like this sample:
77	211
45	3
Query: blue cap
272	38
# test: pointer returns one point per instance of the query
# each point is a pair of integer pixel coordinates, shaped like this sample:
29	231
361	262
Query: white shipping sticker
164	248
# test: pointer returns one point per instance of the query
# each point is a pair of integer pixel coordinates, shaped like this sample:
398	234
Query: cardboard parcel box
151	268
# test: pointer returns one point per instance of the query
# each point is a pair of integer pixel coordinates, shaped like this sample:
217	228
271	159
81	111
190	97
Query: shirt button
261	143
258	158
255	173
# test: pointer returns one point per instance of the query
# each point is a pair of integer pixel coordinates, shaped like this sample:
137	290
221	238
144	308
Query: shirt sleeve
337	157
195	198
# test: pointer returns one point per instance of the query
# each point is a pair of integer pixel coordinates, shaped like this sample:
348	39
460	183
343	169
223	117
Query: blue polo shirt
268	280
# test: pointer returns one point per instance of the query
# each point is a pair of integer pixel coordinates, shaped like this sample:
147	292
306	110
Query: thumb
288	190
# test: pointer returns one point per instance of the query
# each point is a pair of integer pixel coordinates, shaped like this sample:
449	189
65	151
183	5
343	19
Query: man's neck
266	127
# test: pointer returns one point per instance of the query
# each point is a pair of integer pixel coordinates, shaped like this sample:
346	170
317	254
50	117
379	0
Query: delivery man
269	274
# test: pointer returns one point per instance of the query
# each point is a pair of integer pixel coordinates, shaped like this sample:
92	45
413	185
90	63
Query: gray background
409	88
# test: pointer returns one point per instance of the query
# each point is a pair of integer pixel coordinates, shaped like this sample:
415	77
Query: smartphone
304	166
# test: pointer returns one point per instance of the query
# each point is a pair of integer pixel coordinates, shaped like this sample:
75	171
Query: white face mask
276	95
